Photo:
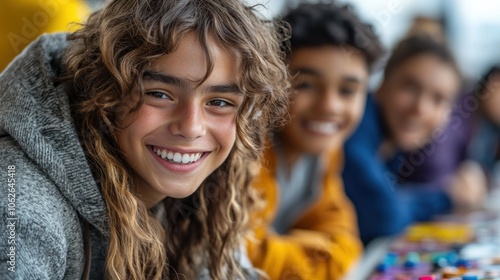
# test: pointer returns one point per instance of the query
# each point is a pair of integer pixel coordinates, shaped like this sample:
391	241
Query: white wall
474	24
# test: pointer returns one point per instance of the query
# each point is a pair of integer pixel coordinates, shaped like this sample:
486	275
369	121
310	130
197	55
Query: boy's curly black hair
319	24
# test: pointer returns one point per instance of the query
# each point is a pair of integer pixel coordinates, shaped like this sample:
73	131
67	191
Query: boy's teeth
177	157
323	127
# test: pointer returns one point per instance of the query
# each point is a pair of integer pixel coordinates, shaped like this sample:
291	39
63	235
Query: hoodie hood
35	112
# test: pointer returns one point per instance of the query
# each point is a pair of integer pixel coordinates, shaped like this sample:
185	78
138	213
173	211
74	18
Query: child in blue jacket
420	83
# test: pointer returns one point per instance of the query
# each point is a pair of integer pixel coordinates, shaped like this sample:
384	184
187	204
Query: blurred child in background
471	135
308	228
420	84
484	147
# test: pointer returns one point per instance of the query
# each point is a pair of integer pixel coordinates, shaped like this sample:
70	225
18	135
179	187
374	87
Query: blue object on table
463	263
391	259
383	267
470	277
409	264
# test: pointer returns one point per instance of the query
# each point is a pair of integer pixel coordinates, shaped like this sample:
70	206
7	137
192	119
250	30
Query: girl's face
416	99
183	131
329	98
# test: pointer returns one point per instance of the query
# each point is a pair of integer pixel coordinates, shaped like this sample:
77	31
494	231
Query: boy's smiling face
328	99
183	131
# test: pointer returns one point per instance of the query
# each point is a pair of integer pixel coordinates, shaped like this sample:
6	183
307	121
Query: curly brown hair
105	63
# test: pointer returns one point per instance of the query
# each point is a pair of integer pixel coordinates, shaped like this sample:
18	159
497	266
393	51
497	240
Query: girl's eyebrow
353	79
307	71
182	83
164	78
225	88
318	74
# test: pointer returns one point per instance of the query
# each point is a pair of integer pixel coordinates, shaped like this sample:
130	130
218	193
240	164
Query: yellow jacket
22	21
323	243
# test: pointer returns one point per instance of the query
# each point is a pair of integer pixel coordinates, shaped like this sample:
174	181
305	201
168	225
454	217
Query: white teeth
322	127
177	157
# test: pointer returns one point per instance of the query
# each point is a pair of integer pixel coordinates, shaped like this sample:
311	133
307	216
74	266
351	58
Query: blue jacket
383	206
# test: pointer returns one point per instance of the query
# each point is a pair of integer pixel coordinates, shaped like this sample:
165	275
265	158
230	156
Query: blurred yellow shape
22	21
446	232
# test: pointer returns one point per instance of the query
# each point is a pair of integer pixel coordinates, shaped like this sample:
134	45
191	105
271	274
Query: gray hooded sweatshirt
53	196
54	219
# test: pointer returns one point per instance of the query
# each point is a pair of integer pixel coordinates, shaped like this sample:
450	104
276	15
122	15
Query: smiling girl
135	139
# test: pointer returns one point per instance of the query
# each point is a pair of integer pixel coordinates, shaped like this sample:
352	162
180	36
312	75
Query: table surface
377	249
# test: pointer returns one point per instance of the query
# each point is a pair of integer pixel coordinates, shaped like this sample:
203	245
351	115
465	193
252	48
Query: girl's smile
176	161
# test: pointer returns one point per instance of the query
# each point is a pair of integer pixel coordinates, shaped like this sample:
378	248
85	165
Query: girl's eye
158	94
219	103
304	86
347	91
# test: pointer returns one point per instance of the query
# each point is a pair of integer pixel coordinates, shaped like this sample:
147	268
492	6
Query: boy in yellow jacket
308	229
